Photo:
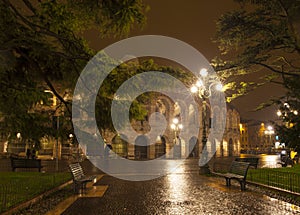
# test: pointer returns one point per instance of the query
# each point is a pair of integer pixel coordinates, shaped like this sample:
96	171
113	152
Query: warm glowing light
279	113
18	135
269	130
180	126
286	105
203	72
241	126
173	126
219	87
175	121
194	89
295	112
53	97
199	83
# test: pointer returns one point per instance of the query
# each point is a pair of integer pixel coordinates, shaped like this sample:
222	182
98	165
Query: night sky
193	21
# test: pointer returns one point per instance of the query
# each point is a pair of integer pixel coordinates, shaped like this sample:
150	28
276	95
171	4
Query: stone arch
216	118
229	120
160	146
236	146
168	106
234	119
193	147
192	116
222	149
223	118
120	145
141	147
230	148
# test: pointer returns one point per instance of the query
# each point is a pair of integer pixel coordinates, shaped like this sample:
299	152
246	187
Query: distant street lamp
176	127
269	132
19	138
203	87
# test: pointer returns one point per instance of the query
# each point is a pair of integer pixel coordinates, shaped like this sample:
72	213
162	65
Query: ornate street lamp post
176	127
204	93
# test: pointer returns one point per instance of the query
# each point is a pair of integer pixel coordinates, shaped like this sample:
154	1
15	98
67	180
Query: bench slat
79	178
25	163
237	171
252	160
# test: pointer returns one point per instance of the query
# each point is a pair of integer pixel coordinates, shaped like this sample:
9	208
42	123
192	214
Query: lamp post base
204	169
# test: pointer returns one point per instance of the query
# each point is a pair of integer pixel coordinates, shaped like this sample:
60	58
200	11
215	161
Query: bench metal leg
243	185
79	187
228	182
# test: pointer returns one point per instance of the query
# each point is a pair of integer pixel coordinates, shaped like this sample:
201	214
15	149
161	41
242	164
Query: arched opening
222	149
193	147
230	148
120	145
141	147
160	146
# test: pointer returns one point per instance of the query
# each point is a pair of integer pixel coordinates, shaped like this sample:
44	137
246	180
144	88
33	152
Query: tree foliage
289	130
262	37
138	106
41	49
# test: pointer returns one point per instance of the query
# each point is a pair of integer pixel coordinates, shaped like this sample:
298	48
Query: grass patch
285	178
17	187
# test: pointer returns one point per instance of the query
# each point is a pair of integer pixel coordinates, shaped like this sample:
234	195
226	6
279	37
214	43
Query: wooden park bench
237	171
79	178
25	163
252	160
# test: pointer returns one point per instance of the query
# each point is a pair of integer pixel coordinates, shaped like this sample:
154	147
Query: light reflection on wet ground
181	192
266	161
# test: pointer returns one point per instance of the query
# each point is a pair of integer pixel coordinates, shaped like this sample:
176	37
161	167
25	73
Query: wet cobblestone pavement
182	192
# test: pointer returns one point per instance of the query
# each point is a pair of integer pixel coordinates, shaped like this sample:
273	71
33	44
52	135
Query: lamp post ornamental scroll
203	88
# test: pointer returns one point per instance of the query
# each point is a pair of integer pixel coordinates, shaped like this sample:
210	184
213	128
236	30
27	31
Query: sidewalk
181	192
91	191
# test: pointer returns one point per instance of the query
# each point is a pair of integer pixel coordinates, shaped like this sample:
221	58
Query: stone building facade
170	143
192	147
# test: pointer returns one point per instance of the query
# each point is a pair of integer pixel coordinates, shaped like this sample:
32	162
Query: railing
7	196
277	179
16	191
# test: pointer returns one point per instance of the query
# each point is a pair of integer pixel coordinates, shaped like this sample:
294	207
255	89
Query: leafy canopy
41	48
262	37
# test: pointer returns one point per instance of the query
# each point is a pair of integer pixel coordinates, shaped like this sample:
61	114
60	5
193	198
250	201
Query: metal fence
21	189
8	198
276	178
18	189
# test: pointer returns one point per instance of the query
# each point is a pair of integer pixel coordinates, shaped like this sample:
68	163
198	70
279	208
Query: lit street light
176	127
269	132
203	87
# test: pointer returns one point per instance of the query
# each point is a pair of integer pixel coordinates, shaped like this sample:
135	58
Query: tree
261	37
41	48
139	106
289	130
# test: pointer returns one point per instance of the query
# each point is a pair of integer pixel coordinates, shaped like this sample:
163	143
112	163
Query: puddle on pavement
282	204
